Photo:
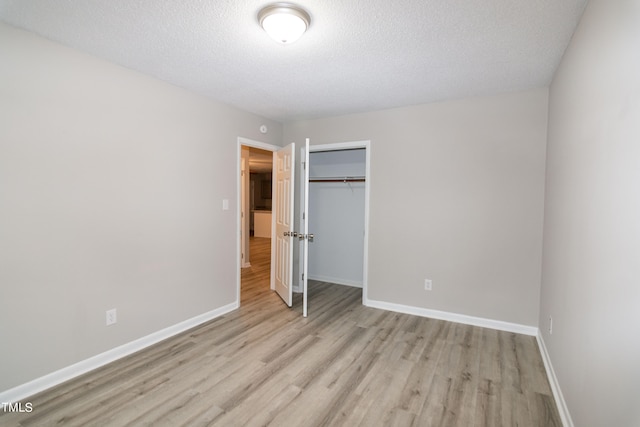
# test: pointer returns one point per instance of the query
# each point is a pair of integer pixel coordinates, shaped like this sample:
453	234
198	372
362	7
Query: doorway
339	180
255	165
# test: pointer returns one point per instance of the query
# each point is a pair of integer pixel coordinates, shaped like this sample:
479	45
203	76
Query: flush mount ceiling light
284	22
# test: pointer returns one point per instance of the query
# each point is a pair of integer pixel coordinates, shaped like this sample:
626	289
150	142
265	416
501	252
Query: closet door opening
338	215
336	205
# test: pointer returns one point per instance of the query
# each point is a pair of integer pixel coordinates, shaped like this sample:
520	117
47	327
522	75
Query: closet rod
338	179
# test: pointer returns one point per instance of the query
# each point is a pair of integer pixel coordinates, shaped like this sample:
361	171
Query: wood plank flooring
344	365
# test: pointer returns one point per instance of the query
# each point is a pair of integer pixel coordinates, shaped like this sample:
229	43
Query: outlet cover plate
112	316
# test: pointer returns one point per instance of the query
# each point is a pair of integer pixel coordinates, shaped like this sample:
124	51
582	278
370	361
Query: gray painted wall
591	269
111	188
457	197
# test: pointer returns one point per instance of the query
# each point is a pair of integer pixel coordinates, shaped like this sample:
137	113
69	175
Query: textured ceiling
356	56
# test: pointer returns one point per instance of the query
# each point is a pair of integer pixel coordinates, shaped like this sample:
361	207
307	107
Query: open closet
337	194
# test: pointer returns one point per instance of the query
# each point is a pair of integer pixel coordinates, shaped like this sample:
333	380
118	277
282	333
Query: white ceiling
356	56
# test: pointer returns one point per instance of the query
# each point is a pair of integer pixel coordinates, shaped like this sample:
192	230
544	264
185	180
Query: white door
282	242
305	236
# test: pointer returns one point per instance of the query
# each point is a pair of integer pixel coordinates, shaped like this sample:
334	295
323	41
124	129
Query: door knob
311	237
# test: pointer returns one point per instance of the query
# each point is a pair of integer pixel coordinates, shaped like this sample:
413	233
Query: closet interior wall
336	216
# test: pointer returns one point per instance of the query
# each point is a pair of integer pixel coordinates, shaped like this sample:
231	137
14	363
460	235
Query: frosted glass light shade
284	22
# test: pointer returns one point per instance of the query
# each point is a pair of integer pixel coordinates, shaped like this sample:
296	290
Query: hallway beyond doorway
255	279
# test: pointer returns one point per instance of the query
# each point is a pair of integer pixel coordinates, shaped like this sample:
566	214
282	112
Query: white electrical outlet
112	316
427	284
550	325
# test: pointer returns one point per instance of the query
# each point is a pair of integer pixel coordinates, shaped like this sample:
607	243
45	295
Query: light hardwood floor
344	365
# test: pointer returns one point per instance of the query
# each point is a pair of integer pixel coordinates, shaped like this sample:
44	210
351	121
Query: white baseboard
337	281
40	384
555	385
454	317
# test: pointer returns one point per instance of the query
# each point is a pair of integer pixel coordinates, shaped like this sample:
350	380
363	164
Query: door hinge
303	215
303	277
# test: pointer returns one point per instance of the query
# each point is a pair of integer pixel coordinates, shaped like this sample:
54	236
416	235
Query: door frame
340	146
246	142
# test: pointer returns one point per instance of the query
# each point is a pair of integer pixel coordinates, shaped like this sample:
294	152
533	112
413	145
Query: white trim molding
454	317
565	416
30	388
